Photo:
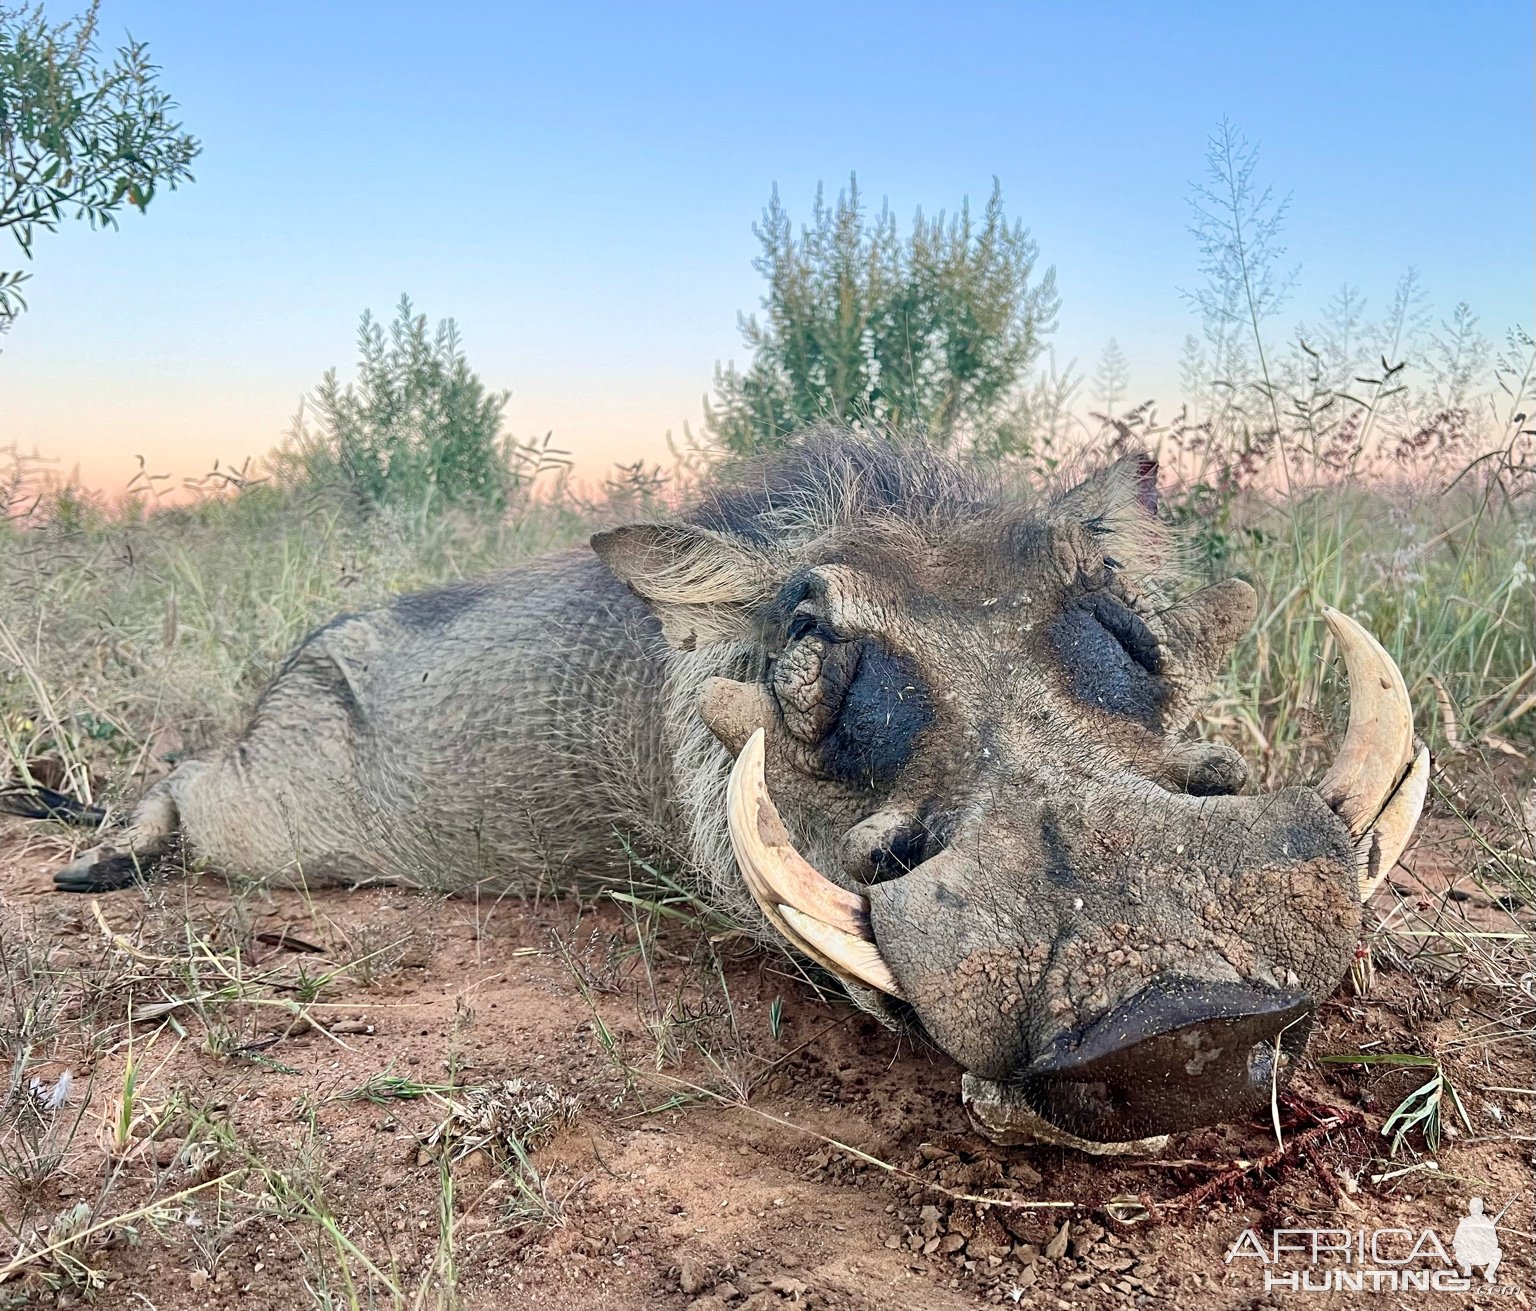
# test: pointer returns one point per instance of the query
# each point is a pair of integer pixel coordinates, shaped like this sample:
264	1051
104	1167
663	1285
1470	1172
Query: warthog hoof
103	869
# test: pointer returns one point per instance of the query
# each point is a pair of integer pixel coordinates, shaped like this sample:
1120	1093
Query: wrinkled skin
973	709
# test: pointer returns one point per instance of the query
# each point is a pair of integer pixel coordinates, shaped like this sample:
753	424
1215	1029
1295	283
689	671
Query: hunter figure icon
1477	1242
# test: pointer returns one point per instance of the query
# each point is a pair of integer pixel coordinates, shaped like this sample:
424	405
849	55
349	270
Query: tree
79	137
417	425
934	333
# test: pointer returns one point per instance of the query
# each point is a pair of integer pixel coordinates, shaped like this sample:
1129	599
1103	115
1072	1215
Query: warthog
959	786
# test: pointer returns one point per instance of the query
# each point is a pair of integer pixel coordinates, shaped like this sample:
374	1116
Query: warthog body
507	733
968	710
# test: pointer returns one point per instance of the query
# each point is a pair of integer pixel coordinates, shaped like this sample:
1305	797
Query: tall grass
133	631
1442	577
130	629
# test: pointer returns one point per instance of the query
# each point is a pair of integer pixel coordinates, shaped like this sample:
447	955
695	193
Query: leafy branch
80	137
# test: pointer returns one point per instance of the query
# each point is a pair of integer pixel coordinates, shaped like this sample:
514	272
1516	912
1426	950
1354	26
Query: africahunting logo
1383	1260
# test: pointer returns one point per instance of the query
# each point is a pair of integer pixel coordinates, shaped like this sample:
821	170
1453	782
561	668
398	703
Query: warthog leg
133	854
281	804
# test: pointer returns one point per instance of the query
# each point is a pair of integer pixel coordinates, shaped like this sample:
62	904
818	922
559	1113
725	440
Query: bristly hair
823	480
832	476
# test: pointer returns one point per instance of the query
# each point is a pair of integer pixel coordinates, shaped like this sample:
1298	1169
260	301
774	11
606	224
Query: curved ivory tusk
765	851
1386	838
1378	744
849	955
825	922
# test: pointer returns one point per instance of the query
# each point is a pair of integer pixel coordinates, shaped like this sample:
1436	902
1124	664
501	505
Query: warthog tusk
1376	783
1378	744
1384	841
858	956
815	916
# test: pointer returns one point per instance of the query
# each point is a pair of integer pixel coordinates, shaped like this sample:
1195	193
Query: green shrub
935	333
418	425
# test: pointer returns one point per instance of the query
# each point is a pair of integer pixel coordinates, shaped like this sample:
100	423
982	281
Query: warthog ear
1119	506
703	586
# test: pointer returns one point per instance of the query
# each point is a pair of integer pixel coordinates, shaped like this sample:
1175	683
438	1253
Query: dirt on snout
372	1098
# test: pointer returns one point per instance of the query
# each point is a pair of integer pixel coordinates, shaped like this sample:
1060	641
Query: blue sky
576	184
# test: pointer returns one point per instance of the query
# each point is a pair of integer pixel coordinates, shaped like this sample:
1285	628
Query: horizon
584	213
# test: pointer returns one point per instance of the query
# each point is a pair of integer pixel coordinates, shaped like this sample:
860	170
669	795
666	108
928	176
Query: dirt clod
1057	1247
693	1276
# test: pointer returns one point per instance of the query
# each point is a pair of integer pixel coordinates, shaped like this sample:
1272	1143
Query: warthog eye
1129	630
805	623
1111	658
861	704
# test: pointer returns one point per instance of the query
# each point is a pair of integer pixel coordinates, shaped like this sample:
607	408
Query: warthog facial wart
899	718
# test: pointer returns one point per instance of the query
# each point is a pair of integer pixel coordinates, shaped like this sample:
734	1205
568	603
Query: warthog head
960	784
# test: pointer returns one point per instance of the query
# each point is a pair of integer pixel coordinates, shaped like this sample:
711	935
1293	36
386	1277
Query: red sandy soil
705	1202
